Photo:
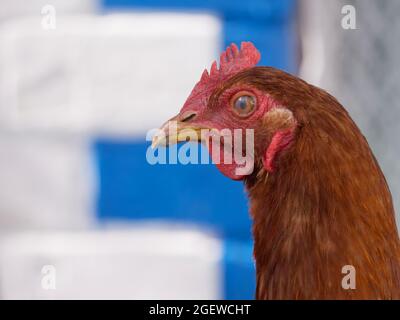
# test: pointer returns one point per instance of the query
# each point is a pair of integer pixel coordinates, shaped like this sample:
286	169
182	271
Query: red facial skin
220	115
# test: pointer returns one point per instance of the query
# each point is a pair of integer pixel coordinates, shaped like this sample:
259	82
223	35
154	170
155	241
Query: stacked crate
132	189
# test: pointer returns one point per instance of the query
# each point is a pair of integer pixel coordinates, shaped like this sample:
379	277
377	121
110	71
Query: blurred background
82	213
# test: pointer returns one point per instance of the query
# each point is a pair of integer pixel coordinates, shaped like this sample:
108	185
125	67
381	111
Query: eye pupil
244	105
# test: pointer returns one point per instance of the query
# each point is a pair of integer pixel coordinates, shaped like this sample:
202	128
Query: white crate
145	262
14	9
113	74
46	182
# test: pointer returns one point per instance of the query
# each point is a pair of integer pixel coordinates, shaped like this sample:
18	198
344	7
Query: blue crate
239	270
272	10
131	188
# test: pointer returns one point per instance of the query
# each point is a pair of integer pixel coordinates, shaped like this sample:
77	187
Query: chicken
319	201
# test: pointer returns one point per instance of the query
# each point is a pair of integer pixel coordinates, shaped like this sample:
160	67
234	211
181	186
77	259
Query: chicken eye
244	105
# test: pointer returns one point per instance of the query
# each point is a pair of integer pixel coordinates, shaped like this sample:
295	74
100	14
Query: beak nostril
188	116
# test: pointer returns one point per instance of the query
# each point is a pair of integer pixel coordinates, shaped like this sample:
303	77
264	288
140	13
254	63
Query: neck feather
326	206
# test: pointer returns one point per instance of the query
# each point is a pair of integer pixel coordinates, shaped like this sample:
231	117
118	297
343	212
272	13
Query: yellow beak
174	131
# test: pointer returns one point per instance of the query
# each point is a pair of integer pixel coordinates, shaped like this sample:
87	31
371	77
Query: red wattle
280	141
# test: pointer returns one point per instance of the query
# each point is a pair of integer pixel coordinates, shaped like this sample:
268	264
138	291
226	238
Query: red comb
232	60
